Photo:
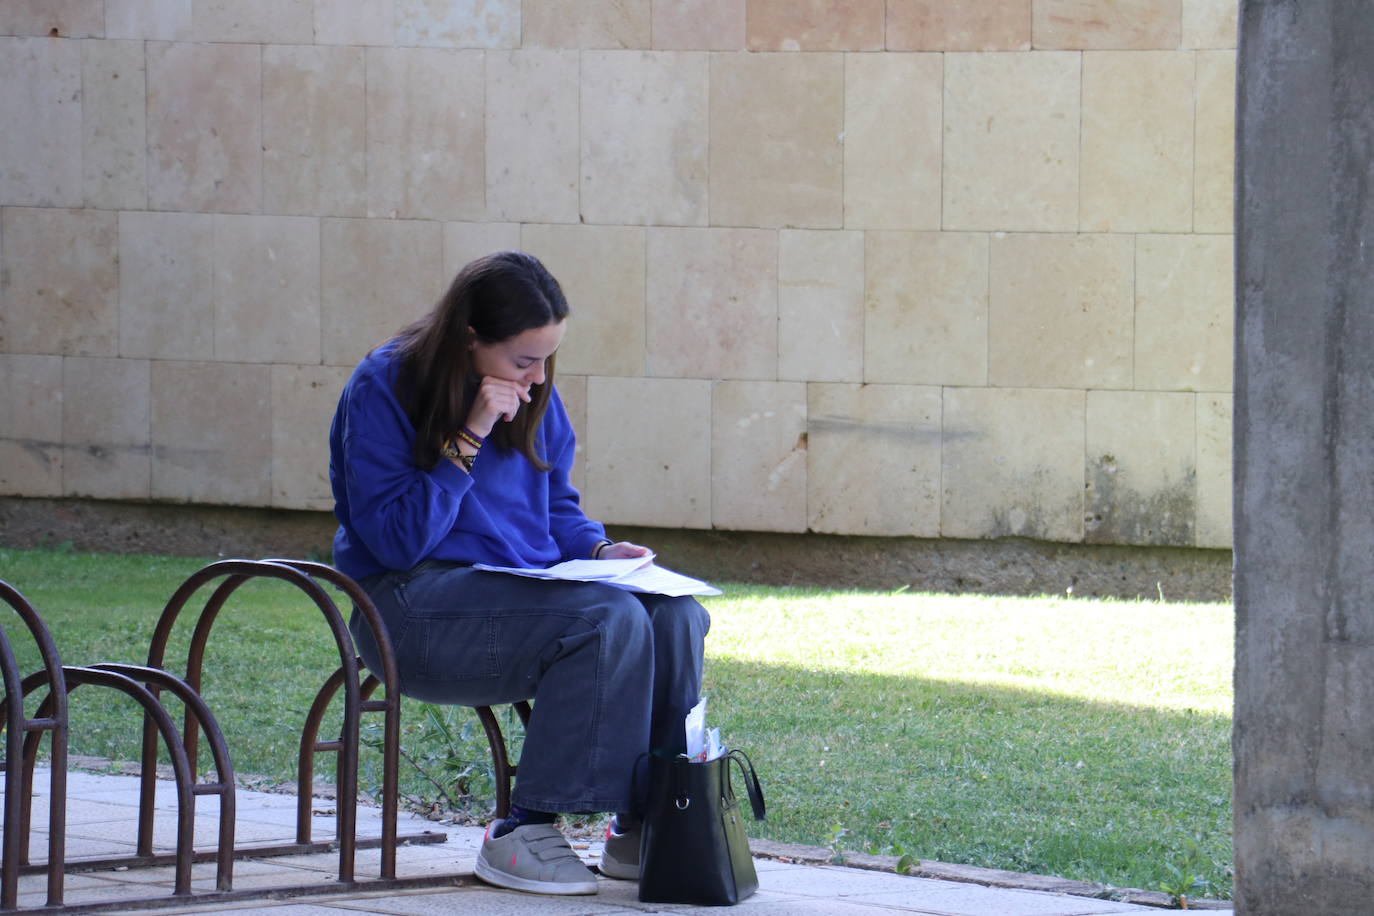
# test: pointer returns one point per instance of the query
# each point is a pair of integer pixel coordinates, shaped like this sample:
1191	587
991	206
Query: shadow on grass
980	775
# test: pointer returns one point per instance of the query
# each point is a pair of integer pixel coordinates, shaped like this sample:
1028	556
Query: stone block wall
875	267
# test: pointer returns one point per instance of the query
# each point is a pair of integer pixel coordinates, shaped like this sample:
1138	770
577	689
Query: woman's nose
536	375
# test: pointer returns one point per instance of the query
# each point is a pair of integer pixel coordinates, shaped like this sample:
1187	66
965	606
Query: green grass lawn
1083	738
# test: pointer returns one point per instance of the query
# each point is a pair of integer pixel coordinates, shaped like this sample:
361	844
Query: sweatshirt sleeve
399	511
575	534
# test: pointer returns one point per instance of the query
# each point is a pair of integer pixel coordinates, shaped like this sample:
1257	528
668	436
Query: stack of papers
636	574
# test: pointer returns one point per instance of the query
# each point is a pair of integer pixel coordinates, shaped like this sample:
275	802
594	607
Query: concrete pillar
1304	458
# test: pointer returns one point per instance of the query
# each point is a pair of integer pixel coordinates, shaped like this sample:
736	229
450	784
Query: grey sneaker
620	857
534	858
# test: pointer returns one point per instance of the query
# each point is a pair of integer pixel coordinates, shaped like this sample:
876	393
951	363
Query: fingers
623	551
497	399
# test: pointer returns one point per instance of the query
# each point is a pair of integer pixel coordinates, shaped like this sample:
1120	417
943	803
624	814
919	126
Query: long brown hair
498	296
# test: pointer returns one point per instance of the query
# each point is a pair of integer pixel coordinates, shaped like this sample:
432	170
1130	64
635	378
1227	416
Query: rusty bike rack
19	779
145	684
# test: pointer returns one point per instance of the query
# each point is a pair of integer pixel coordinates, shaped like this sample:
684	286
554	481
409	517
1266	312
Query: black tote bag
694	848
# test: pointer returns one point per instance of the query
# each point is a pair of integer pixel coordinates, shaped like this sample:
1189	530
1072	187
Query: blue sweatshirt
393	514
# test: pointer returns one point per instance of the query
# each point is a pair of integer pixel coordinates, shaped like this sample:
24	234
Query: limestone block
1210	23
1119	25
303	403
53	18
458	23
355	22
873	459
1214	166
267	289
40	88
376	276
156	20
776	156
712	308
758	456
106	410
698	25
287	22
1011	141
938	25
60	283
204	127
644	137
892	118
531	131
926	313
1137	141
591	24
212	433
1061	311
166	285
1184	312
425	146
820	305
649	451
1214	470
573	390
815	25
31	425
464	242
1141	468
114	129
601	270
314	131
1013	463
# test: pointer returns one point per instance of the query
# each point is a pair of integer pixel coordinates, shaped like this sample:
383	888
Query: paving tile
1214	470
644	125
166	285
649	455
303	402
587	24
893	110
64	18
105	420
355	22
820	305
873	459
532	136
776	156
1141	468
287	22
313	131
1133	25
938	25
1210	23
1214	167
815	25
204	148
464	242
1184	312
1011	144
458	23
712	303
267	289
1137	166
40	87
31	425
758	456
926	309
158	20
698	25
113	124
425	134
61	281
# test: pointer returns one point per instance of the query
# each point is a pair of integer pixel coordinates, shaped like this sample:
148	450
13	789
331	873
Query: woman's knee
679	619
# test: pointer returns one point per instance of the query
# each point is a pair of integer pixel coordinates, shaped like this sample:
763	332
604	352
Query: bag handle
751	781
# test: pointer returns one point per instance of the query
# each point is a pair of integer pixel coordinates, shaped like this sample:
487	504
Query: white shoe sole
495	876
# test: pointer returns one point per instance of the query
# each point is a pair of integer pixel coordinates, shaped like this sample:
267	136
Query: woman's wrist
601	545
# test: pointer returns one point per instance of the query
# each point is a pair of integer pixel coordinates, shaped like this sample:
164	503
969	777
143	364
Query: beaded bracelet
450	451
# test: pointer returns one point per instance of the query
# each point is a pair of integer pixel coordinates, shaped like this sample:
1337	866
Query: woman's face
520	358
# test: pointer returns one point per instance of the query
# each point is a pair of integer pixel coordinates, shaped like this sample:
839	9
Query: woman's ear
472	337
